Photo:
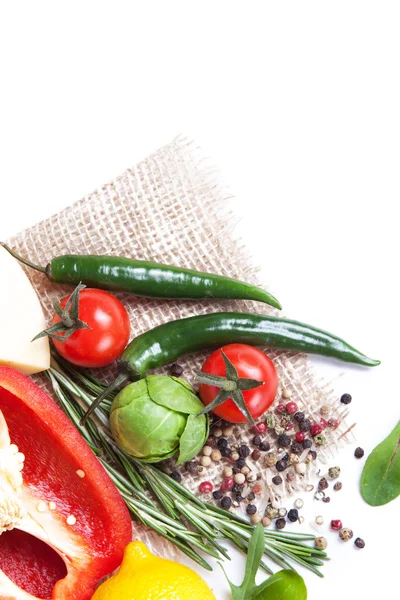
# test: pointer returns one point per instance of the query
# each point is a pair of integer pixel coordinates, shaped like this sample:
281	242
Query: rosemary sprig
160	502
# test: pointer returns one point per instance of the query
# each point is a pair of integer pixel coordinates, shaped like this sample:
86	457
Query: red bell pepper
76	525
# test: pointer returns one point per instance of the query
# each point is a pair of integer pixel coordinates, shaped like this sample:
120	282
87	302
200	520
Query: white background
298	103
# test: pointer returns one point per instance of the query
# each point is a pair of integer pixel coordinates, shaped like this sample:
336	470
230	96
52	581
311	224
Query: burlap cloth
171	208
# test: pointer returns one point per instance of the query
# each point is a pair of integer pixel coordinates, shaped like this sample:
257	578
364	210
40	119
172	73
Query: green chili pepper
144	278
167	343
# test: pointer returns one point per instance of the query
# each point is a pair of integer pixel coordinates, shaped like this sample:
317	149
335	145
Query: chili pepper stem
122	378
24	261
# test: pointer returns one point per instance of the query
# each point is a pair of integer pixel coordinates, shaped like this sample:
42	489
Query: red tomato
108	334
249	362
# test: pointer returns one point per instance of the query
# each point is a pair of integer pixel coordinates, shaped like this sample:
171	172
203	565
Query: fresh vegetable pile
154	417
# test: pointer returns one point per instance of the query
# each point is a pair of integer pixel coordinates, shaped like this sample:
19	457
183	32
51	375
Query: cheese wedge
21	319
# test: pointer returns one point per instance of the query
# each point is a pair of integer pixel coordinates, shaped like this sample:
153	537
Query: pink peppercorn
300	436
323	423
257	489
280	409
333	423
315	430
289	427
292	408
260	428
206	487
336	524
227	484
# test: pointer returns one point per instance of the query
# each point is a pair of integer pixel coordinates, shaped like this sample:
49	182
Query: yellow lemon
143	576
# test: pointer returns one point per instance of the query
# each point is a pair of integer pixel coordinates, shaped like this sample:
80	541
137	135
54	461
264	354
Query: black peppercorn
277	480
358	452
191	467
305	425
323	484
226	502
338	486
176	476
217	494
244	451
297	448
307	444
222	443
235	470
299	417
359	543
284	441
285	457
251	509
255	454
251	496
176	370
312	454
237	488
226	452
212	441
326	499
240	463
239	498
257	440
281	465
280	523
264	446
346	399
293	515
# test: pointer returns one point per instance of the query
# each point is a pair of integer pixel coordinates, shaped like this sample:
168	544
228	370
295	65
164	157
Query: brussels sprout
155	418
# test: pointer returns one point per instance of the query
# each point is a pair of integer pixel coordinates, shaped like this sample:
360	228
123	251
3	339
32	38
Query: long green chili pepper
144	278
167	343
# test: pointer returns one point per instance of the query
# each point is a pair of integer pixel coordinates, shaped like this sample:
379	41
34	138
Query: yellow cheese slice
21	319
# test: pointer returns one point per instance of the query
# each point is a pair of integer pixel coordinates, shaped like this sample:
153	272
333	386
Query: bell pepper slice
75	525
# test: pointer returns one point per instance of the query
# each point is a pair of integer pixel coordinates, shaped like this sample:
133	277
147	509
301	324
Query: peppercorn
270	459
299	503
315	429
345	534
280	523
312	455
291	408
358	452
307	444
325	410
175	370
244	451
321	543
338	486
297	448
217	432
293	515
281	465
279	430
271	512
305	425
239	478
206	451
255	519
235	456
235	470
282	512
216	455
286	394
289	427
323	484
226	452
299	417
256	440
284	441
290	476
250	496
251	509
346	399
284	422
237	487
320	440
359	543
255	455
226	502
260	428
227	484
277	480
222	443
326	499
239	498
176	476
211	441
265	446
301	468
334	472
271	421
205	487
266	521
191	467
217	495
257	489
293	459
336	524
245	470
240	463
285	457
280	409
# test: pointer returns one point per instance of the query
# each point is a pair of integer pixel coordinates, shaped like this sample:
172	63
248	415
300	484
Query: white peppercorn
299	503
282	512
217	431
321	543
286	394
251	477
239	478
207	450
227	431
227	472
255	519
301	468
216	455
245	470
325	410
235	456
319	520
205	461
266	521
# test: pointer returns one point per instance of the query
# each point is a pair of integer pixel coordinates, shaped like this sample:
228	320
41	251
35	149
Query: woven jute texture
171	208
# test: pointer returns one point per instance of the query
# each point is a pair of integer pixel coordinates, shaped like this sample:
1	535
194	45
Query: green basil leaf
380	479
284	585
192	438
